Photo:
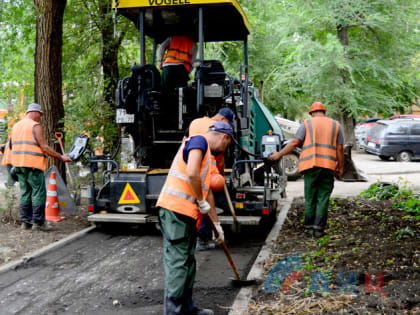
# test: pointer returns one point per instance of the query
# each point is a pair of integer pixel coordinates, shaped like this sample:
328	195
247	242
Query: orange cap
316	107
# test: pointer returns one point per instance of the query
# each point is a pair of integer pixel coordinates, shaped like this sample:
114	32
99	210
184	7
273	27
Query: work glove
203	206
221	237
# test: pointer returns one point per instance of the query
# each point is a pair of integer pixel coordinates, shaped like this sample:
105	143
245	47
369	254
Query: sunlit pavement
376	169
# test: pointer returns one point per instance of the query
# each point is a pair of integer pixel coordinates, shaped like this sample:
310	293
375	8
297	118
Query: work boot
309	232
204	245
41	227
25	225
202	311
319	233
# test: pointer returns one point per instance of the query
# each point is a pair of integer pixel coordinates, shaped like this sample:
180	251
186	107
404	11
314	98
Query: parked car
361	129
405	117
396	138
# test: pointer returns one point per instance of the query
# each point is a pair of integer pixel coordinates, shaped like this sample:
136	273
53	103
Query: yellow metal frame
125	4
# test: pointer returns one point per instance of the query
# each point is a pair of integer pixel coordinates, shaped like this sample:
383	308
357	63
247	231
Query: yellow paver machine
153	119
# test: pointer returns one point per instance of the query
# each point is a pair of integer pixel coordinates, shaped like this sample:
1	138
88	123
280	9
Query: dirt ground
16	242
367	239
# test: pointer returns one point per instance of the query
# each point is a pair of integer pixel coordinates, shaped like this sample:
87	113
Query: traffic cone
51	206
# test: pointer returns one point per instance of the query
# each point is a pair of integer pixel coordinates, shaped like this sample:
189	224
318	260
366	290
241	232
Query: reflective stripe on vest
26	152
320	145
177	194
179	51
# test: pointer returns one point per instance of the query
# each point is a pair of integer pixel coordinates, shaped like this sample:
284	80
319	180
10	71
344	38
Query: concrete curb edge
46	249
241	302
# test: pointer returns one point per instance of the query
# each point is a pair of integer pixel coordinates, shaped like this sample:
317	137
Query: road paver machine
153	120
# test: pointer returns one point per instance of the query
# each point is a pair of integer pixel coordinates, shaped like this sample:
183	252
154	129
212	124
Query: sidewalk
376	170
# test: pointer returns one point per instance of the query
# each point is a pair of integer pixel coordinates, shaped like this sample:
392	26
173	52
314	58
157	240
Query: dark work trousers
174	76
32	194
319	184
179	240
10	180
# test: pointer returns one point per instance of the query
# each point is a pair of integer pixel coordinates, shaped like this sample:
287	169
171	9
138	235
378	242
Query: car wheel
384	157
291	166
404	156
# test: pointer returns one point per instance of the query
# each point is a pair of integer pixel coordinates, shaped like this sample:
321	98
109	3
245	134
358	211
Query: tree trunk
347	122
110	47
48	75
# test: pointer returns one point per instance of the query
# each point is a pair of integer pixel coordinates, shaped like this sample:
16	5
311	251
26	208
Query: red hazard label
128	195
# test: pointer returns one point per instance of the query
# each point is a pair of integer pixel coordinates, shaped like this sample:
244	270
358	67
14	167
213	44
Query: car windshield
377	131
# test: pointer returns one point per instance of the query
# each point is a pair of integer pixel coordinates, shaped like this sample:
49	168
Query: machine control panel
79	147
270	143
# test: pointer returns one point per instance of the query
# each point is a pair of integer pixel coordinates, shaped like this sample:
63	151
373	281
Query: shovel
59	136
237	281
232	210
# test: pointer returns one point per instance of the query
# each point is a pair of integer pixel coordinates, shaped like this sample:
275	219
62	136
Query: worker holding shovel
183	196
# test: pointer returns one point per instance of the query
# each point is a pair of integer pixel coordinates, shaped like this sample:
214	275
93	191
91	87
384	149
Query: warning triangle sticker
128	195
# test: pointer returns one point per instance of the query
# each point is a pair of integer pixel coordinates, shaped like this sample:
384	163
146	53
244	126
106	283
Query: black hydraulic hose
117	149
243	150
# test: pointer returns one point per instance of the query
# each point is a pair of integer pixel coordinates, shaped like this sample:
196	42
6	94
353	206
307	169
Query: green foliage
294	48
403	197
9	213
405	233
380	191
410	205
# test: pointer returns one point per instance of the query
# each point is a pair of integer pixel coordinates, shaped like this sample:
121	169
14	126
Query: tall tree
354	56
48	74
91	60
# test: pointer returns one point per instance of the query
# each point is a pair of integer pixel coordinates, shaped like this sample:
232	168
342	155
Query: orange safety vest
26	151
177	194
200	126
320	145
7	155
179	51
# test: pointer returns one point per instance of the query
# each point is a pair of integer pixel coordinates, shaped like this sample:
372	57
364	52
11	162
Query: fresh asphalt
119	272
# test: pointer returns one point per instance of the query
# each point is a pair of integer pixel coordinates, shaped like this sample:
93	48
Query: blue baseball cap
222	127
228	114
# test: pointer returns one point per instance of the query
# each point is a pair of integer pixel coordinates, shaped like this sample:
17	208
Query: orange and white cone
51	206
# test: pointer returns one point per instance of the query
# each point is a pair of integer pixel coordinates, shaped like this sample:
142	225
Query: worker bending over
183	196
200	126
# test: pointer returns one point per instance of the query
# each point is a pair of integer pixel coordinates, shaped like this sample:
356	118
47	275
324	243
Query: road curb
241	302
46	249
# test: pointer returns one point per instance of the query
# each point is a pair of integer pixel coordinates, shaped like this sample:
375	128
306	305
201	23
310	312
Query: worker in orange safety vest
29	158
184	195
322	155
6	161
176	65
200	126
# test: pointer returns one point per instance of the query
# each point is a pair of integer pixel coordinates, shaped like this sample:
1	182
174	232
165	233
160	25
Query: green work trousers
10	180
319	184
179	240
174	76
32	186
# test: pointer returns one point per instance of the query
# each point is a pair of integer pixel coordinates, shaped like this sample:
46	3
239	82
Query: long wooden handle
225	249
232	210
59	136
